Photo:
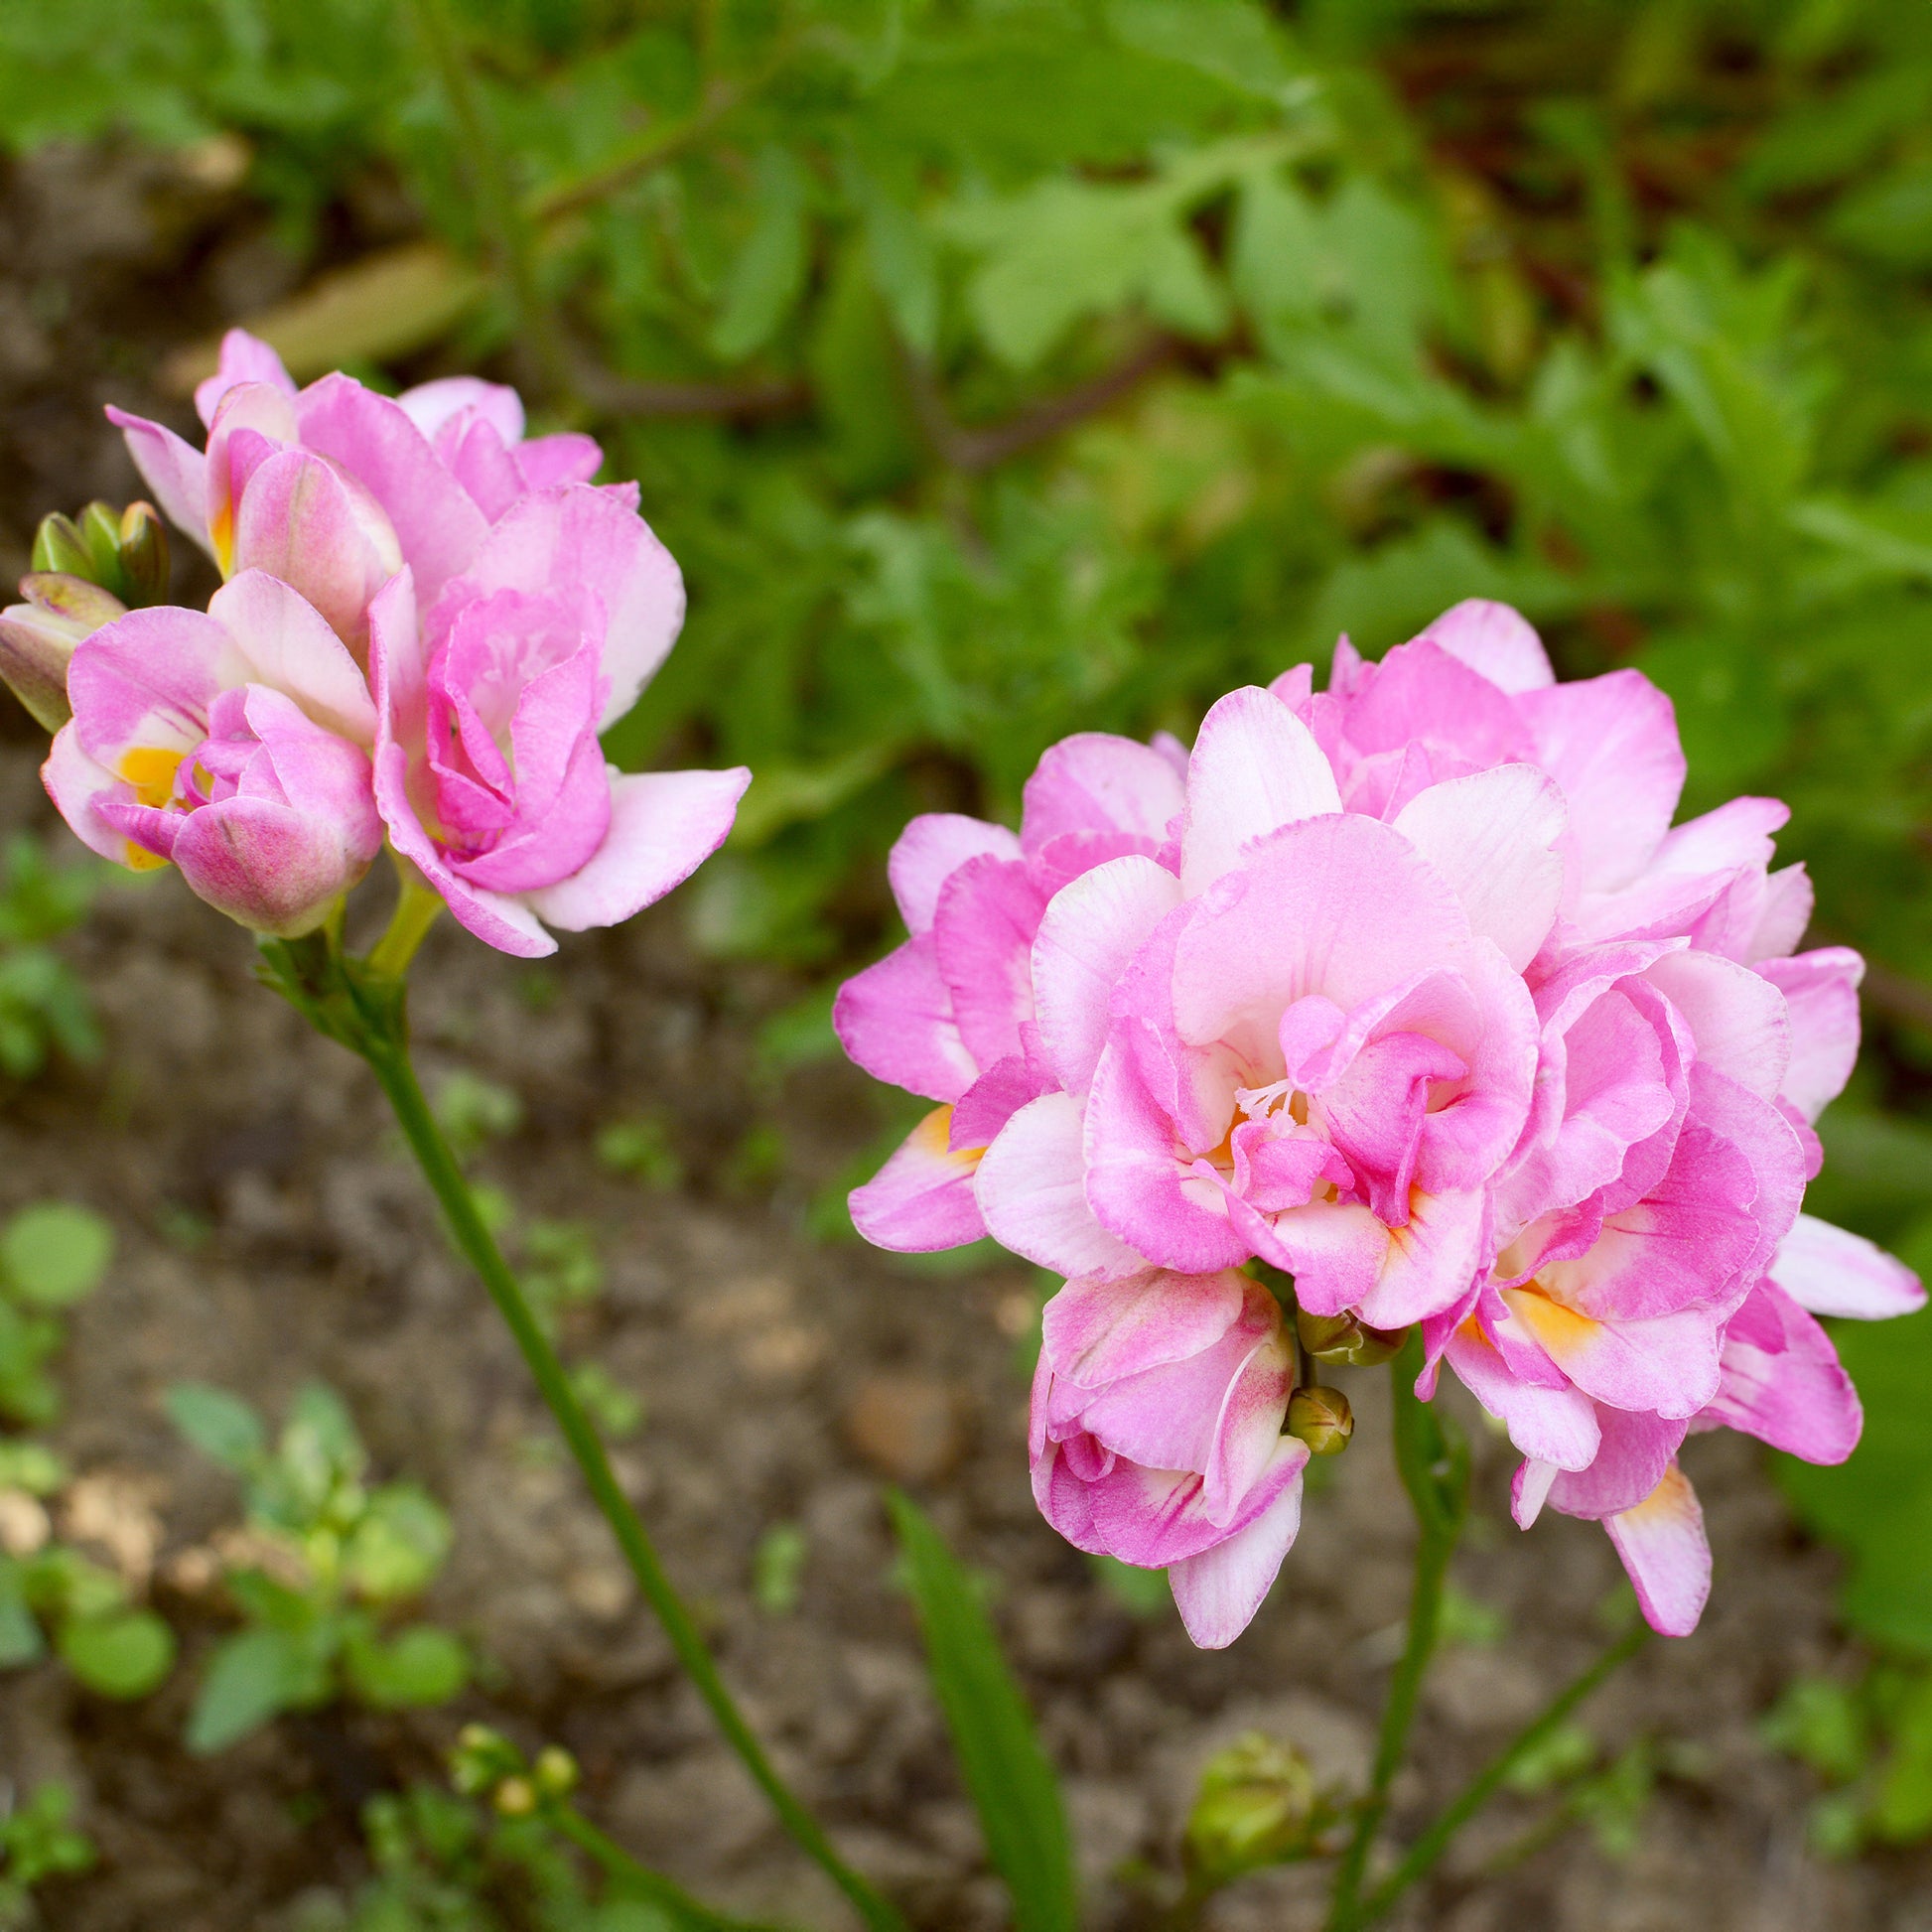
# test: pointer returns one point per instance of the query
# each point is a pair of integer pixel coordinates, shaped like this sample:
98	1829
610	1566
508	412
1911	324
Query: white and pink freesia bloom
231	743
950	1013
334	488
1157	1437
490	699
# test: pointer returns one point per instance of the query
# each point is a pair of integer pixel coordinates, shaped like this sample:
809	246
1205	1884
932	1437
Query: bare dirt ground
271	1230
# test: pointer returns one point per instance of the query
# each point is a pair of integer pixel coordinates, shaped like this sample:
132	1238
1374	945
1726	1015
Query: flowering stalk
363	1006
1434	1464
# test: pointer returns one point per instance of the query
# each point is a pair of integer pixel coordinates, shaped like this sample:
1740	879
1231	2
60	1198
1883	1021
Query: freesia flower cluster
1410	990
426	618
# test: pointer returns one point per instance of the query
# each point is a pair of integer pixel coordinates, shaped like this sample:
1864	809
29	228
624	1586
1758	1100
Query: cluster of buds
87	571
486	1764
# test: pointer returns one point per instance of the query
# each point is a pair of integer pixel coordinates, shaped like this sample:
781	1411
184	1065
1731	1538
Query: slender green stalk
511	239
619	1866
417	906
1421	1855
1435	1470
388	1057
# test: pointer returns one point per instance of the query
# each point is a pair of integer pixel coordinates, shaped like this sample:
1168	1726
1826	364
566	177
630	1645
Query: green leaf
252	1677
423	1665
54	1253
1012	1782
21	1641
398	1546
219	1424
121	1654
765	279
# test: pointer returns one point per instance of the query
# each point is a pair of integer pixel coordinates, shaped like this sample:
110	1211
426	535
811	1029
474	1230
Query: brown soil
271	1230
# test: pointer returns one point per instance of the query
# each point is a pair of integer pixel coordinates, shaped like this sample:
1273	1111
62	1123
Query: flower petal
1665	1551
1255	768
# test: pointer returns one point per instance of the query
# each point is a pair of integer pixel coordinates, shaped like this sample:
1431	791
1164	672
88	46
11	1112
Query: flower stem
388	1055
417	906
1421	1855
1434	1464
620	1867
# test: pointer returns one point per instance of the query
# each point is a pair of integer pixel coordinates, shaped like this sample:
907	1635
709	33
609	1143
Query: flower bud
1322	1418
515	1797
124	552
38	638
483	1760
1257	1805
1342	1339
555	1771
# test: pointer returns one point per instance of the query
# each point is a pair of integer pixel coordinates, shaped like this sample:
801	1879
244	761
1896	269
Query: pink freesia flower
1654	1270
1156	1435
232	743
334	488
489	697
950	1014
1310	1044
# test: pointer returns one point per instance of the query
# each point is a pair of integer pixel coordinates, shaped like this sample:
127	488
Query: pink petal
1556	1426
272	867
982	936
994	1099
1783	1383
1255	768
1496	640
1492	837
895	1020
289	645
1430	1261
1821	996
74	781
1032	1191
439	528
244	358
147	679
1088	933
429	405
922	1200
930	850
1419	691
1096	782
1665	1364
176	472
1611	743
1634	1459
1664	1550
1832	1271
1736	1015
564	457
1218	1591
577	535
1097	1330
663	826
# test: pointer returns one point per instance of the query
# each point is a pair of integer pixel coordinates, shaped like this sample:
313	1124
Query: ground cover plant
973	426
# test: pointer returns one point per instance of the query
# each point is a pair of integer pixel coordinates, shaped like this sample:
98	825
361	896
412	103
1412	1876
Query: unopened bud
483	1760
124	552
515	1797
1322	1418
144	555
38	638
1257	1805
1341	1339
555	1771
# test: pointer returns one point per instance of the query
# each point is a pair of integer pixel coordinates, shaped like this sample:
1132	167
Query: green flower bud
124	552
1322	1418
555	1771
1341	1339
484	1759
1257	1805
515	1797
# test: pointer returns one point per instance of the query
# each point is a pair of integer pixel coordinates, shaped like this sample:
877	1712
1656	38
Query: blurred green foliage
37	1841
42	1005
321	1574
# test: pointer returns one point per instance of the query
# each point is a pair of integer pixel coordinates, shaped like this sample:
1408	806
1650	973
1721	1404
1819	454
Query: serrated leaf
220	1424
54	1253
1007	1773
119	1654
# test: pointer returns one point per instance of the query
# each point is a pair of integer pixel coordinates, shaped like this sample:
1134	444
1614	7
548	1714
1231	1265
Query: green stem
1421	1855
1434	1464
417	906
388	1055
511	239
622	1868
